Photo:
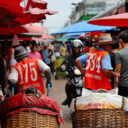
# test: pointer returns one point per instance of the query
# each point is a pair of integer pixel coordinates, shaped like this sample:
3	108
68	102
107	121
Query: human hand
48	84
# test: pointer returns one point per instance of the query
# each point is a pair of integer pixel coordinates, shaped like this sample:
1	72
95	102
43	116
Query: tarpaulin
21	102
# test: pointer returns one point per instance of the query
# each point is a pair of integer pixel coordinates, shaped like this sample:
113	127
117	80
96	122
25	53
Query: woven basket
30	120
100	118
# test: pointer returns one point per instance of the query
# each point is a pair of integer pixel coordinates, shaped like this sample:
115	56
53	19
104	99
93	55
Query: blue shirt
106	61
46	56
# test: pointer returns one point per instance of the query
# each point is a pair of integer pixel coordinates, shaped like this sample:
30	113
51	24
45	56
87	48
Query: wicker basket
30	120
100	118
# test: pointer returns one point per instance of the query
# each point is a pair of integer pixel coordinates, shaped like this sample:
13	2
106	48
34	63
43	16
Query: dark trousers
69	92
51	67
123	91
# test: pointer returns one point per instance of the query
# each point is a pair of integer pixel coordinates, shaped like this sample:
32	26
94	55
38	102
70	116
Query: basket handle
123	102
75	104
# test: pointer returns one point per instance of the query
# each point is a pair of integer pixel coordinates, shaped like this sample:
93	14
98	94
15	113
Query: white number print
33	73
93	62
32	69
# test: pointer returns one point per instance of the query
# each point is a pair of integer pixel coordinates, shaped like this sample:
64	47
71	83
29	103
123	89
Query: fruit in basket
89	106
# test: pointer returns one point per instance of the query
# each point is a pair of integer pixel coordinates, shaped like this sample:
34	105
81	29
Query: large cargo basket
29	120
100	118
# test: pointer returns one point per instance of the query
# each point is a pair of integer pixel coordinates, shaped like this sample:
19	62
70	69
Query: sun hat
105	38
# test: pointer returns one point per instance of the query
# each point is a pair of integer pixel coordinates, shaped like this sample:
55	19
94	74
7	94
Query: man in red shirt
97	64
27	72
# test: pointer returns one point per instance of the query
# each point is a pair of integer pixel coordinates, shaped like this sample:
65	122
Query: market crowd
11	54
102	61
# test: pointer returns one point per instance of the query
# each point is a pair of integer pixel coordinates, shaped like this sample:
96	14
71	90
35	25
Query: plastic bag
93	100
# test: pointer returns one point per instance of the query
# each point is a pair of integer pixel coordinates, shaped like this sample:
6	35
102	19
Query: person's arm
117	69
107	67
110	73
79	65
12	80
118	66
13	77
80	62
44	68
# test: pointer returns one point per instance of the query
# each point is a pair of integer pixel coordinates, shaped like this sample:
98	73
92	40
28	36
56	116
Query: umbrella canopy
72	35
28	28
35	28
19	12
44	37
82	27
120	20
65	39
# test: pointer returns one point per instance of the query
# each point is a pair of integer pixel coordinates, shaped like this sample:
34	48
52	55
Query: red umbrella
44	37
36	3
120	20
22	29
18	13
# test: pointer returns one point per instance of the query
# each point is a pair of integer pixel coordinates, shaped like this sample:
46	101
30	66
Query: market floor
58	93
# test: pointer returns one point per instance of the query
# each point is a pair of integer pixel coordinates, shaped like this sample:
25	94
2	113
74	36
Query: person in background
97	63
34	54
122	64
112	52
41	50
27	72
28	46
87	47
57	49
63	50
69	62
68	47
2	78
47	56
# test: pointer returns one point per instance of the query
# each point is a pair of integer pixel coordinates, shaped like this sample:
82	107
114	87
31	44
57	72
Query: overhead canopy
44	37
120	20
83	27
72	35
65	39
19	12
28	28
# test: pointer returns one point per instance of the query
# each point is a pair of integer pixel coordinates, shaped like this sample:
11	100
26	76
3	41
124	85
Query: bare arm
79	65
117	69
110	73
44	68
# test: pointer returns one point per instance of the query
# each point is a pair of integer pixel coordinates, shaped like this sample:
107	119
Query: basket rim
20	107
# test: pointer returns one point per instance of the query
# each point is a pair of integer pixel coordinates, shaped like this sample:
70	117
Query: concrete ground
58	93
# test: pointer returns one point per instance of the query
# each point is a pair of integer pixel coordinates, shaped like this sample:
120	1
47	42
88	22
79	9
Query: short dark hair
124	36
116	44
34	44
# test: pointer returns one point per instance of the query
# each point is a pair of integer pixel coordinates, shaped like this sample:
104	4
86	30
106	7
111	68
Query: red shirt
94	75
29	75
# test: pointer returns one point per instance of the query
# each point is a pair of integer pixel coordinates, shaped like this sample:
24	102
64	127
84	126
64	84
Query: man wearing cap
27	72
97	64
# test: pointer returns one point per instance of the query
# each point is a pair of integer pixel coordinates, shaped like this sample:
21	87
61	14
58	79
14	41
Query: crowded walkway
72	77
